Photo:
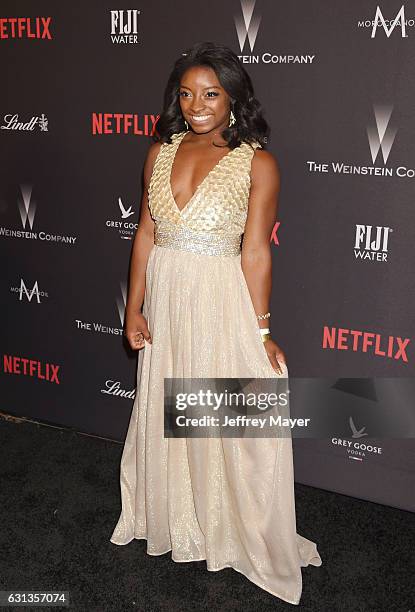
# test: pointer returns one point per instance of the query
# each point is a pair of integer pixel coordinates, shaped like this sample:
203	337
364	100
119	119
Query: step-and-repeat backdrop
82	87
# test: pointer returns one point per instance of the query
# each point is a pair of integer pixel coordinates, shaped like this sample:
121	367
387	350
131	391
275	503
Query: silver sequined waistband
184	239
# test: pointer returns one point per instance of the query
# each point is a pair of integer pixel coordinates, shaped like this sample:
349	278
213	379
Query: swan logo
357	433
126	229
125	213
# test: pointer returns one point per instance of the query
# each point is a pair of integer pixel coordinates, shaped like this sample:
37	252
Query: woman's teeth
200	117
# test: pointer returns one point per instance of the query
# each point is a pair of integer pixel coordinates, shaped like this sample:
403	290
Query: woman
229	501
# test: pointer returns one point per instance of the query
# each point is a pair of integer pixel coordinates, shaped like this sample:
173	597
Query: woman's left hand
275	355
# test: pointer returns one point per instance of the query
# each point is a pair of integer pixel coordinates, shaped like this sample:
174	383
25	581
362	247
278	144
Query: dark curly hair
250	125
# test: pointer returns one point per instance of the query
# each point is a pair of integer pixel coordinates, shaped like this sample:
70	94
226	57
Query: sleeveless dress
229	501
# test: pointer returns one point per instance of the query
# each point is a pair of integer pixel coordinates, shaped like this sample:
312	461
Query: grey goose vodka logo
247	24
357	449
27	208
389	24
112	330
125	226
381	133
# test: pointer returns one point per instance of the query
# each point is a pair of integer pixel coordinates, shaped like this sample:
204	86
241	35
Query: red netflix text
31	367
25	27
341	339
120	123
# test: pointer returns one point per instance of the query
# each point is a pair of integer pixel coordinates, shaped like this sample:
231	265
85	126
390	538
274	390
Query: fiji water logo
124	26
372	244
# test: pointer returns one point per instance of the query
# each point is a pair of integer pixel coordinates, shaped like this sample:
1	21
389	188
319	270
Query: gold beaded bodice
218	208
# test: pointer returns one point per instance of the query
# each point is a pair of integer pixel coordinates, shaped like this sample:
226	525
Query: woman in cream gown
226	500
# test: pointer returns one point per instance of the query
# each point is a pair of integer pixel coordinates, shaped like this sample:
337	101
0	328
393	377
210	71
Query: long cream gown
229	501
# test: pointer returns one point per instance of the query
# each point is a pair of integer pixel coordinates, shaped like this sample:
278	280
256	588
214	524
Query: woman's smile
200	118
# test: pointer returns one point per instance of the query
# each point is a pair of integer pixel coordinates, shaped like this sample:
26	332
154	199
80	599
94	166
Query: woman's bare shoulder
264	166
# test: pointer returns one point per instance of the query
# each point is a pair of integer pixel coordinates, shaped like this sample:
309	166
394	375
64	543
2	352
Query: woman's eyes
214	93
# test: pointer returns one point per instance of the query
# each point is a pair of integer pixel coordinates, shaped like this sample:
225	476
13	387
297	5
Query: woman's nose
197	104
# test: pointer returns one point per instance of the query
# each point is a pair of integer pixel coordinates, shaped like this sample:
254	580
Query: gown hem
212	569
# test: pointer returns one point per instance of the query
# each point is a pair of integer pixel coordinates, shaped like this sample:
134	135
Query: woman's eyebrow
210	87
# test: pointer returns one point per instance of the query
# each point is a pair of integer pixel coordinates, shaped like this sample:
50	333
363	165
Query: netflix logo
21	366
120	123
25	27
392	347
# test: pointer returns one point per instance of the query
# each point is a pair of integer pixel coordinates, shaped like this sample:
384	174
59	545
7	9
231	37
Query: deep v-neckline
211	171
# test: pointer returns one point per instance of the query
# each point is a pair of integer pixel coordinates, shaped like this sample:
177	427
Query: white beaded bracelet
264	330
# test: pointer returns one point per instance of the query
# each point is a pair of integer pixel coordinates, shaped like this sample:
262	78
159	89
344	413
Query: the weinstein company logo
113	387
357	450
27	210
95	326
247	24
30	294
400	23
381	136
11	122
125	228
371	244
25	27
124	26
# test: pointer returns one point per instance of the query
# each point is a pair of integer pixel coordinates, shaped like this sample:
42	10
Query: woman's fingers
137	339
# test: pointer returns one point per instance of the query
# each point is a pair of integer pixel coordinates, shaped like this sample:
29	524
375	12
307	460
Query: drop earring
186	124
232	119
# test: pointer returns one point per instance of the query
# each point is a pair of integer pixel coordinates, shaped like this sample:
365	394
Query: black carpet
60	501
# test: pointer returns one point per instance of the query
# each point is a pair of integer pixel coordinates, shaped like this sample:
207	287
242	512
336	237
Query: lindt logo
12	122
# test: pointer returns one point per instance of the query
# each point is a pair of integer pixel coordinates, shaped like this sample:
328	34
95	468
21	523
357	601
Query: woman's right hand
136	330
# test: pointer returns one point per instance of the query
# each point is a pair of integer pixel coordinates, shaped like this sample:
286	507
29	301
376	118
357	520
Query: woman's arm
256	258
143	243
